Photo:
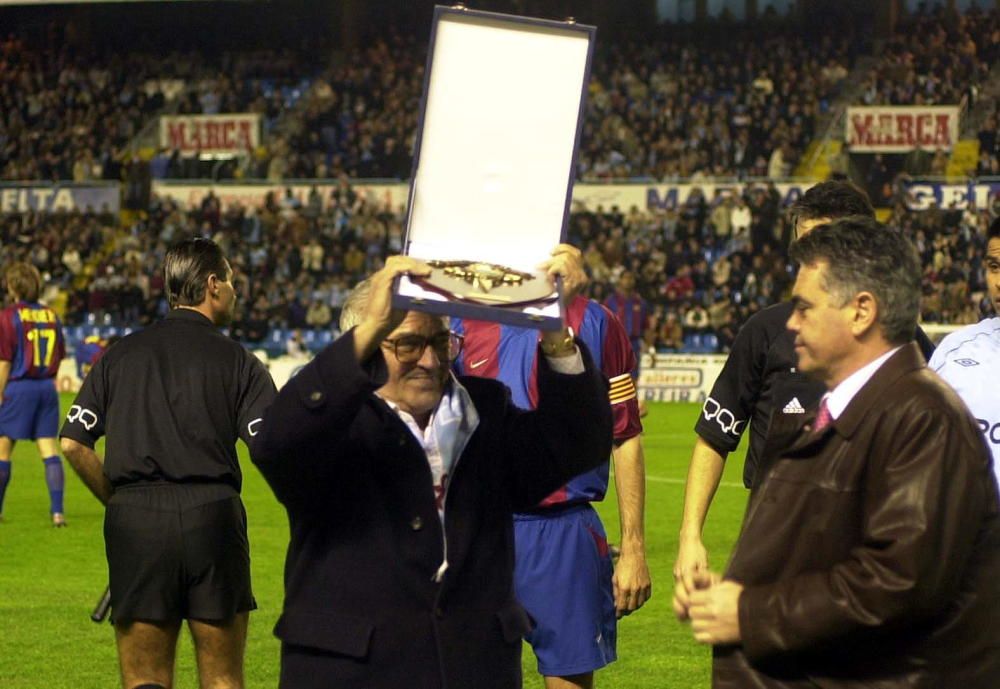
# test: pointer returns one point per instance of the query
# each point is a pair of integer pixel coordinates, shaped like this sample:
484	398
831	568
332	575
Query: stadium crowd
66	115
702	268
681	107
935	58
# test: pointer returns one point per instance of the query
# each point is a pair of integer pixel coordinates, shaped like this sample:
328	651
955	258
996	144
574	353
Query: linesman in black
759	379
172	400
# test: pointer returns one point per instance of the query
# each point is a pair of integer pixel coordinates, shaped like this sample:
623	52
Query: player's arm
88	466
7	338
704	475
4	376
631	581
720	427
83	427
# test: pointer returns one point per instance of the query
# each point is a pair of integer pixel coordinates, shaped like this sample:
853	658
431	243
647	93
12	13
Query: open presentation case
492	181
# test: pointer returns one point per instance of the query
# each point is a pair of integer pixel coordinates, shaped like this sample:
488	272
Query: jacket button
416	523
438	613
402	440
315	396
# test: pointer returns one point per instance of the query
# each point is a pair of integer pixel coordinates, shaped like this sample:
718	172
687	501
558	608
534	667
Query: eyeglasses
409	348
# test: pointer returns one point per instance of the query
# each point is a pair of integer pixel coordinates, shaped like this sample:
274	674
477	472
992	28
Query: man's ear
213	285
865	313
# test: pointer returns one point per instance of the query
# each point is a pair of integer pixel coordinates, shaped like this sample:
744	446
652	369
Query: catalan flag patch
622	389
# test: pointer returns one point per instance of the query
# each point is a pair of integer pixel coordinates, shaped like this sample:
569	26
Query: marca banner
980	194
59	198
900	129
210	135
679	377
664	196
253	195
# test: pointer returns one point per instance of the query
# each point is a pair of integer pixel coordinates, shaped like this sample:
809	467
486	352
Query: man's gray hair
353	311
863	255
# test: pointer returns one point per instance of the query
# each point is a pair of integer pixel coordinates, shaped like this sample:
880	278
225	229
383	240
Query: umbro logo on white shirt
966	362
794	407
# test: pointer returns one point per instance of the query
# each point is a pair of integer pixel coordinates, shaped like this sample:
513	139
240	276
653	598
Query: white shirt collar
838	398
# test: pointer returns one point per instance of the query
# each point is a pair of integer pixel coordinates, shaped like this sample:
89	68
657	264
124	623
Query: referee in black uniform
172	400
758	380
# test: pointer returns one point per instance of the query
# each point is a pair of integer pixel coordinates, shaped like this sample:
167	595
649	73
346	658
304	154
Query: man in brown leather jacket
870	550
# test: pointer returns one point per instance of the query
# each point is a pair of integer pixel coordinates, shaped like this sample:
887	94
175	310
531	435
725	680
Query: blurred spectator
295	346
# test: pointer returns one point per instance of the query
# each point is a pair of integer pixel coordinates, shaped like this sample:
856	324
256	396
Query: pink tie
823	417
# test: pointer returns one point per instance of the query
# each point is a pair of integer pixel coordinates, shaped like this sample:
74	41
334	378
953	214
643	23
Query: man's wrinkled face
822	328
417	386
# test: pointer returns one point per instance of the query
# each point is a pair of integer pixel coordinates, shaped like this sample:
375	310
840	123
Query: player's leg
55	479
6	450
45	428
584	681
219	648
217	569
146	652
562	577
11	430
141	534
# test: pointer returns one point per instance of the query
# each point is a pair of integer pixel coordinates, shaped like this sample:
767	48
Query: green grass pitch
50	579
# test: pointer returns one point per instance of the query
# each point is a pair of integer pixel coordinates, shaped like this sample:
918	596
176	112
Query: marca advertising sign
900	129
210	135
664	196
59	198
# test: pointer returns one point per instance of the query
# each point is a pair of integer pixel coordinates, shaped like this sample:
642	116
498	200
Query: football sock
56	480
4	479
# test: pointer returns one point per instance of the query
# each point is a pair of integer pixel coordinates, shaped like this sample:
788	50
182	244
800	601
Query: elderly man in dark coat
870	550
400	481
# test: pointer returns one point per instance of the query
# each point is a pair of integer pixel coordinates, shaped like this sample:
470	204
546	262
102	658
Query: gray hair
353	311
863	255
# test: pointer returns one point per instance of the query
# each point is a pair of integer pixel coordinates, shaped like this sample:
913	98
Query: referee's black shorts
177	551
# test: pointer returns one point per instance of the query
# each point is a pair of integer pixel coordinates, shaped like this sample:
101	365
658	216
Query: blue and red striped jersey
87	353
631	311
509	354
31	339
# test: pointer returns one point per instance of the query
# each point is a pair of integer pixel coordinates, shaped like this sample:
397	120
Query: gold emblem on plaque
487	283
482	276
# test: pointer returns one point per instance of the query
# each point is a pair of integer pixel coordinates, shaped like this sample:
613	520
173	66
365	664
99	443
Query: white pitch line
666	479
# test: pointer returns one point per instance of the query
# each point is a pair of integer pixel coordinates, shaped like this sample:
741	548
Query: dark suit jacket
362	608
870	552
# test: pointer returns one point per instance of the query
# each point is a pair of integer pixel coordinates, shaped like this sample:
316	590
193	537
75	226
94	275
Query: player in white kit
969	359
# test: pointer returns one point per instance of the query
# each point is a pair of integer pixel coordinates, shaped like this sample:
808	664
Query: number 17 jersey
31	339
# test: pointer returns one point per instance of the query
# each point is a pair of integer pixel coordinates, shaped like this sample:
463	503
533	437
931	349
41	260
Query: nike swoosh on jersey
477	364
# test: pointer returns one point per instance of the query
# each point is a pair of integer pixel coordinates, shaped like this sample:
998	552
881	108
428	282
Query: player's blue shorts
30	409
562	576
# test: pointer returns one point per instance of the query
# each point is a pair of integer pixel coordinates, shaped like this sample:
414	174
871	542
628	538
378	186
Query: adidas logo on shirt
794	407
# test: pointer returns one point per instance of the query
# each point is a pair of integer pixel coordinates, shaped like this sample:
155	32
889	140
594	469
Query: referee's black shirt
172	399
760	379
